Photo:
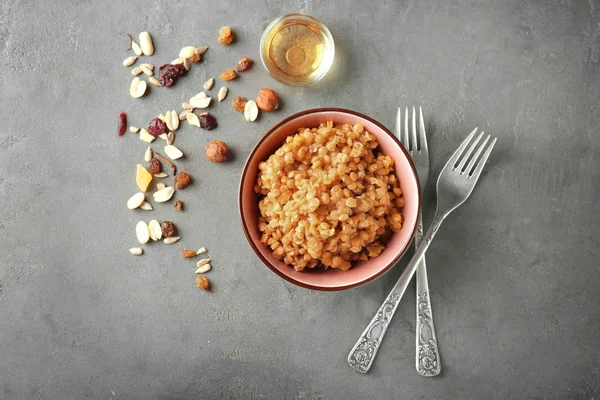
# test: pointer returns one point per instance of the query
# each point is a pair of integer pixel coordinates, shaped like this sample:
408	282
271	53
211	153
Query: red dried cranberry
207	121
169	73
122	123
157	127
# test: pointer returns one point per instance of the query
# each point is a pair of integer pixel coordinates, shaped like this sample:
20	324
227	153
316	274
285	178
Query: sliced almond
146	43
202	262
172	120
160	175
134	129
201	250
155	230
192	119
201	50
163	194
171	240
203	269
148	154
146	206
154	81
171	136
209	84
136	251
163	136
142	232
222	94
183	114
201	100
251	110
187	52
135	201
129	61
146	137
187	106
146	70
178	60
136	71
137	88
136	48
173	152
186	64
161	185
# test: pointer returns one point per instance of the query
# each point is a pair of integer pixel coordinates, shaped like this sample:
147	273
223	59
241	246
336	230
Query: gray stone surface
514	272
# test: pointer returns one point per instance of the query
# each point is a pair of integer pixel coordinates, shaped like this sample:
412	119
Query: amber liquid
294	49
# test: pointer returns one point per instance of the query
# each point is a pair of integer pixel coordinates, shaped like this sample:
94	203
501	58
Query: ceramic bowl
362	272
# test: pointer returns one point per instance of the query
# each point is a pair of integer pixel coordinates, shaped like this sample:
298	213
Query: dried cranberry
170	72
122	123
157	127
207	121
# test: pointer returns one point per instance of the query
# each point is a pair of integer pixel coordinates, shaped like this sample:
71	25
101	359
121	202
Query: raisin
168	229
228	75
157	127
207	121
244	64
188	253
122	123
239	103
202	282
225	35
178	205
195	58
155	166
170	72
182	180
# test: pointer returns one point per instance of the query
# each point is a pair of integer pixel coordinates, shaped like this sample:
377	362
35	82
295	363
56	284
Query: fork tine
476	156
405	133
454	158
465	157
422	136
481	163
413	136
399	125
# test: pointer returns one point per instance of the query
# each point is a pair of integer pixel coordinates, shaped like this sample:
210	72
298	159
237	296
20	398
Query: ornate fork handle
427	356
364	351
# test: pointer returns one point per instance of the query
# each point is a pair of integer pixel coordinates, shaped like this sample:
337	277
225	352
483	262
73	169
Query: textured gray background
514	272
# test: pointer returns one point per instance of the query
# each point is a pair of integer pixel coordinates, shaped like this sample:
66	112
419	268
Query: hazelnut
267	100
216	151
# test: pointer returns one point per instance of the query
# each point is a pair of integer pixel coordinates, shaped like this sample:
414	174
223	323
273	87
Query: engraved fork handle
427	357
363	353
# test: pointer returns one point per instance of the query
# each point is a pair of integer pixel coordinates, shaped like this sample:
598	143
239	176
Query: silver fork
427	357
454	185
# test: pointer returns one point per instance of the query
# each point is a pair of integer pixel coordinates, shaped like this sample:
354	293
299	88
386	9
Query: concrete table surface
514	273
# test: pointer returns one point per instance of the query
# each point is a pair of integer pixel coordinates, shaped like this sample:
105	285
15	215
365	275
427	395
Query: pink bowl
331	279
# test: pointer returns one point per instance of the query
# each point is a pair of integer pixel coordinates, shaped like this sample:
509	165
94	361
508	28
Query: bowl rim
245	172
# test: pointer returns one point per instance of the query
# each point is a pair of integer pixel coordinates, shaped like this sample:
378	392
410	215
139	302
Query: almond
155	230
135	201
146	206
200	100
134	129
146	137
137	87
187	106
173	152
251	110
163	194
142	232
222	94
146	43
183	114
161	185
192	119
172	120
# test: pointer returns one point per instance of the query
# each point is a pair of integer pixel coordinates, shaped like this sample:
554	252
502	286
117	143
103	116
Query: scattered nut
238	104
186	64
216	151
222	94
168	229
136	251
209	84
136	71
203	269
178	205
172	120
146	206
129	61
201	50
187	52
187	106
173	152
250	111
155	167
164	136
142	232
201	100
163	194
171	240
178	60
202	283
142	178
182	180
146	43
202	262
201	250
188	253
148	155
267	100
135	201
136	48
146	70
183	114
134	129
137	87
171	135
161	185
154	81
244	64
155	230
145	136
192	119
160	175
228	75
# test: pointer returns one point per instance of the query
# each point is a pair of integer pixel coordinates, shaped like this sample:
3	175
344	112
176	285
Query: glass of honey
297	49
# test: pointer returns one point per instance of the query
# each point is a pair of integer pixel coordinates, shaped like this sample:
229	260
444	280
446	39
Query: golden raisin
228	75
225	35
185	253
244	64
239	103
202	282
178	205
195	58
